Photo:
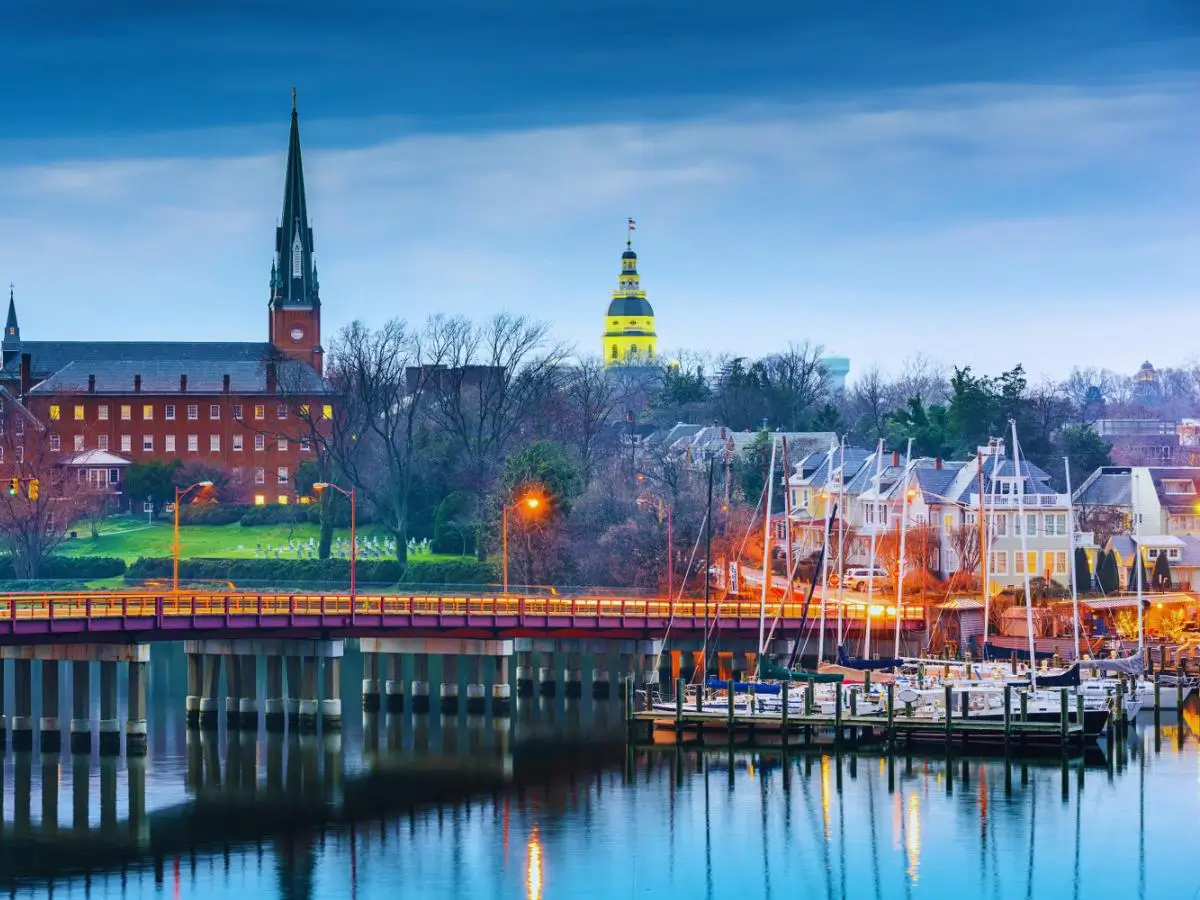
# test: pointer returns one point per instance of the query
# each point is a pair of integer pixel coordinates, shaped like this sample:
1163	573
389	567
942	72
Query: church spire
11	344
293	282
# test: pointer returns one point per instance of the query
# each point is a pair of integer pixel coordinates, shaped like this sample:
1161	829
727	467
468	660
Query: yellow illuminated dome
629	337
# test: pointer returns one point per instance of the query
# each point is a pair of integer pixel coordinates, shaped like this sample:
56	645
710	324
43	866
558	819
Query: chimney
895	459
26	377
225	383
137	384
183	384
91	384
937	462
722	432
272	379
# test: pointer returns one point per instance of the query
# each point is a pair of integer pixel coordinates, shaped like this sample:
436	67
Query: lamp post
322	485
663	505
531	502
180	493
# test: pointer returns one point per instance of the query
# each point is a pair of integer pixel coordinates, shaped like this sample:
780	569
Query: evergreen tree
1137	571
1083	571
1161	578
1107	575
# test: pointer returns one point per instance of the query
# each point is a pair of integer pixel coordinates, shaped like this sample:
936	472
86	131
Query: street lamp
644	501
531	502
322	485
180	493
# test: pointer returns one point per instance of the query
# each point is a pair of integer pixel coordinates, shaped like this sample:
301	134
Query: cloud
897	199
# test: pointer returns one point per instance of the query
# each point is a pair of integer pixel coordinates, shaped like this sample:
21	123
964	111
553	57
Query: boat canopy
768	668
743	687
992	651
1130	665
1069	678
849	662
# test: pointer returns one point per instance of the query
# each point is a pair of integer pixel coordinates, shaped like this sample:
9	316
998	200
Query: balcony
1029	501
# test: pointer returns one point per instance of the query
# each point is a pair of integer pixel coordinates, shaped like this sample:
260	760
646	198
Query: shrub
70	567
276	514
42	585
455	571
212	513
274	571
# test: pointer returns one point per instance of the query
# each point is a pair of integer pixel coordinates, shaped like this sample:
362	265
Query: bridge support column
370	685
49	728
651	673
448	692
331	705
210	687
233	691
3	717
81	706
393	687
292	703
476	692
420	685
50	780
22	723
573	677
276	703
135	726
546	675
195	677
501	689
110	725
601	678
524	674
309	706
248	698
81	792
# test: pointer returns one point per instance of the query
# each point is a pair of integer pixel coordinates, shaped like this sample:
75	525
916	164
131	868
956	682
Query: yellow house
629	336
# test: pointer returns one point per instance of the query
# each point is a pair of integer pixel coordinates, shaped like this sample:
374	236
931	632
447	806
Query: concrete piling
49	727
210	686
110	726
331	703
309	707
476	692
524	674
393	686
248	696
275	705
448	691
420	685
135	725
22	721
573	677
81	712
195	678
501	689
546	675
601	678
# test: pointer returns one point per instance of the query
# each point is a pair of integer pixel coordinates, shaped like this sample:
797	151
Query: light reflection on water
552	805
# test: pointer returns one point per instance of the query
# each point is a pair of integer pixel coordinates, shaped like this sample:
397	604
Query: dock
897	723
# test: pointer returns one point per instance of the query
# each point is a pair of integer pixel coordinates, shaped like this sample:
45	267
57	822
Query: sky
981	183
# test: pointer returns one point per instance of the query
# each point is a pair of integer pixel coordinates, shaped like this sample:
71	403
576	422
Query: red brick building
245	406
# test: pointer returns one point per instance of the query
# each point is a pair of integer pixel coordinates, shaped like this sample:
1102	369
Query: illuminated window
102	412
283	499
126	413
78	412
54	443
147	412
326	411
260	500
55	412
79	443
260	411
304	409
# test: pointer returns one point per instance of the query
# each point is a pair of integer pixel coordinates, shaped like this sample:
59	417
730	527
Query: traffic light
35	489
14	486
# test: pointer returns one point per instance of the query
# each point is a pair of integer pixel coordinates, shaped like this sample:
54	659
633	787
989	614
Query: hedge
70	567
301	571
277	514
42	586
455	571
212	513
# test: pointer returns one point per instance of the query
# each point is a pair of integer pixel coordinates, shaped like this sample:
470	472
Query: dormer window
297	257
1179	486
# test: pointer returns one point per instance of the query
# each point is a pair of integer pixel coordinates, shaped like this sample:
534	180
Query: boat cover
1130	665
1069	678
743	687
849	662
991	651
768	668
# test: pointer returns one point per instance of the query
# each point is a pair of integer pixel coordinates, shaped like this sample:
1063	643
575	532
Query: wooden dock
897	723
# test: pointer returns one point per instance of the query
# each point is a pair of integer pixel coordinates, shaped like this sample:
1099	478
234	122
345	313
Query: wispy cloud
896	203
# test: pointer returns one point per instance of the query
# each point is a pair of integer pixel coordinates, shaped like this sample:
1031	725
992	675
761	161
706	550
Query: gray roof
855	458
205	376
1107	486
864	480
48	357
934	482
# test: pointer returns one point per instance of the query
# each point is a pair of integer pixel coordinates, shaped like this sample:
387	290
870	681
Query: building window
283	499
303	409
237	410
147	412
193	412
214	443
237	443
169	412
193	443
102	412
999	562
169	443
55	412
126	443
281	445
282	474
1178	486
1056	562
260	475
260	500
114	476
1173	553
20	453
126	412
260	442
305	445
102	442
54	443
281	411
260	411
147	443
327	411
1026	560
214	411
78	412
79	443
947	521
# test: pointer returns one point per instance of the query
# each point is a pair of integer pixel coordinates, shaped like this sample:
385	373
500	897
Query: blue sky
983	183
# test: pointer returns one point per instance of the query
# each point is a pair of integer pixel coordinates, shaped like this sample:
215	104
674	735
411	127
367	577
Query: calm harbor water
551	804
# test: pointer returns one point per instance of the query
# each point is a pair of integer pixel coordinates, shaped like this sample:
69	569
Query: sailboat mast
707	568
841	538
903	534
766	579
1021	523
829	505
1071	554
994	445
874	533
1137	556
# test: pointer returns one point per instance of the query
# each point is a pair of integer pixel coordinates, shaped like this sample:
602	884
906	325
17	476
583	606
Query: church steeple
293	282
11	345
295	307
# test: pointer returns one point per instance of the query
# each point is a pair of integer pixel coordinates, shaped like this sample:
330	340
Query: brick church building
243	406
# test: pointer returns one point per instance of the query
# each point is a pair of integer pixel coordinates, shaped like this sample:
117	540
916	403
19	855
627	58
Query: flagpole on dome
632	227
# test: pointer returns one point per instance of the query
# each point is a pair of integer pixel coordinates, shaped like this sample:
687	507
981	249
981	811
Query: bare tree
869	403
1104	522
964	541
794	382
591	398
495	376
922	377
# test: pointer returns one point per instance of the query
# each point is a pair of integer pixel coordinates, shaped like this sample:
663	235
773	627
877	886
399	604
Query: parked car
857	579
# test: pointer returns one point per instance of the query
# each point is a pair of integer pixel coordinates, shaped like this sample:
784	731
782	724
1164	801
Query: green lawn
131	539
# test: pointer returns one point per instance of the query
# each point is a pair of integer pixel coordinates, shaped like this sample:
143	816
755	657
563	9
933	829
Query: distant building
629	335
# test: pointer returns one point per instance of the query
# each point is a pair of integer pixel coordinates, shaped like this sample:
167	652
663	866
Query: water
552	805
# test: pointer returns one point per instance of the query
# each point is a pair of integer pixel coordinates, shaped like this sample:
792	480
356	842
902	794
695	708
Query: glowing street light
532	503
180	493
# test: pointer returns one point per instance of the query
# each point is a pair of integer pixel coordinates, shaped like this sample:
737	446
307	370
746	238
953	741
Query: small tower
11	345
295	305
629	336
